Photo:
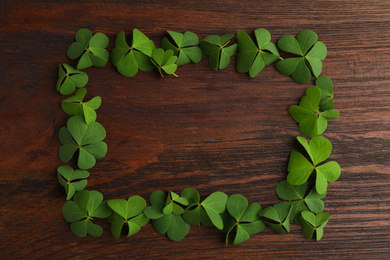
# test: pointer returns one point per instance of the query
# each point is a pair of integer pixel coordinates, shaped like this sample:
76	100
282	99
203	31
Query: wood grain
208	130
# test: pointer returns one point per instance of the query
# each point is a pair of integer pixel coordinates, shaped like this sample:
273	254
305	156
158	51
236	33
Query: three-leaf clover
127	212
72	180
312	121
129	59
215	47
90	48
312	53
299	168
87	139
208	212
186	48
277	217
246	219
253	58
325	85
164	61
75	106
69	79
85	206
314	223
165	214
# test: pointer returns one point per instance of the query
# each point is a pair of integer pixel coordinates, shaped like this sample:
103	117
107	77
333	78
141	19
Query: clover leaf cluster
308	173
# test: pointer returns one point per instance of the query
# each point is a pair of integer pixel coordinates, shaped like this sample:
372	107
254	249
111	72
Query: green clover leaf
277	217
69	79
312	121
312	53
299	168
253	58
245	218
186	48
128	60
85	206
87	139
72	180
164	61
314	223
75	106
325	85
215	47
90	48
128	213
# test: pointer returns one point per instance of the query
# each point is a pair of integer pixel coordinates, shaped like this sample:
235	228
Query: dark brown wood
208	130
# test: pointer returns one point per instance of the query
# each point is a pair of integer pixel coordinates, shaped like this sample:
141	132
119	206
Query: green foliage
312	121
311	55
85	206
87	139
215	47
185	47
90	48
277	217
69	79
127	212
325	85
314	224
253	58
72	180
164	61
129	59
299	168
75	106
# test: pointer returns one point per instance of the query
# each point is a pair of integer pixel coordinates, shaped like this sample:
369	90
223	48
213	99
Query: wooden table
207	130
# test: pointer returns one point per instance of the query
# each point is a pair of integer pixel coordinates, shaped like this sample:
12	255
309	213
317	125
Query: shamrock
214	47
164	61
312	121
314	223
186	48
319	149
165	212
127	213
129	59
277	217
254	58
69	79
208	212
296	196
85	206
312	53
85	138
75	106
90	48
325	85
72	180
245	218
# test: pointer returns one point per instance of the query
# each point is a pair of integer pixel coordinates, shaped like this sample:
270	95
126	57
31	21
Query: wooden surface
208	130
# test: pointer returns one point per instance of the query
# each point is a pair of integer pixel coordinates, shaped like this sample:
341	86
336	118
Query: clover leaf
165	215
69	79
312	121
164	61
72	180
215	47
299	168
86	206
325	85
129	59
312	53
75	106
87	139
90	48
186	48
246	219
296	196
127	212
208	212
253	58
277	217
314	223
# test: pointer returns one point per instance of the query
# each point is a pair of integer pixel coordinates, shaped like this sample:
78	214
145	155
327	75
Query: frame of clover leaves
171	213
